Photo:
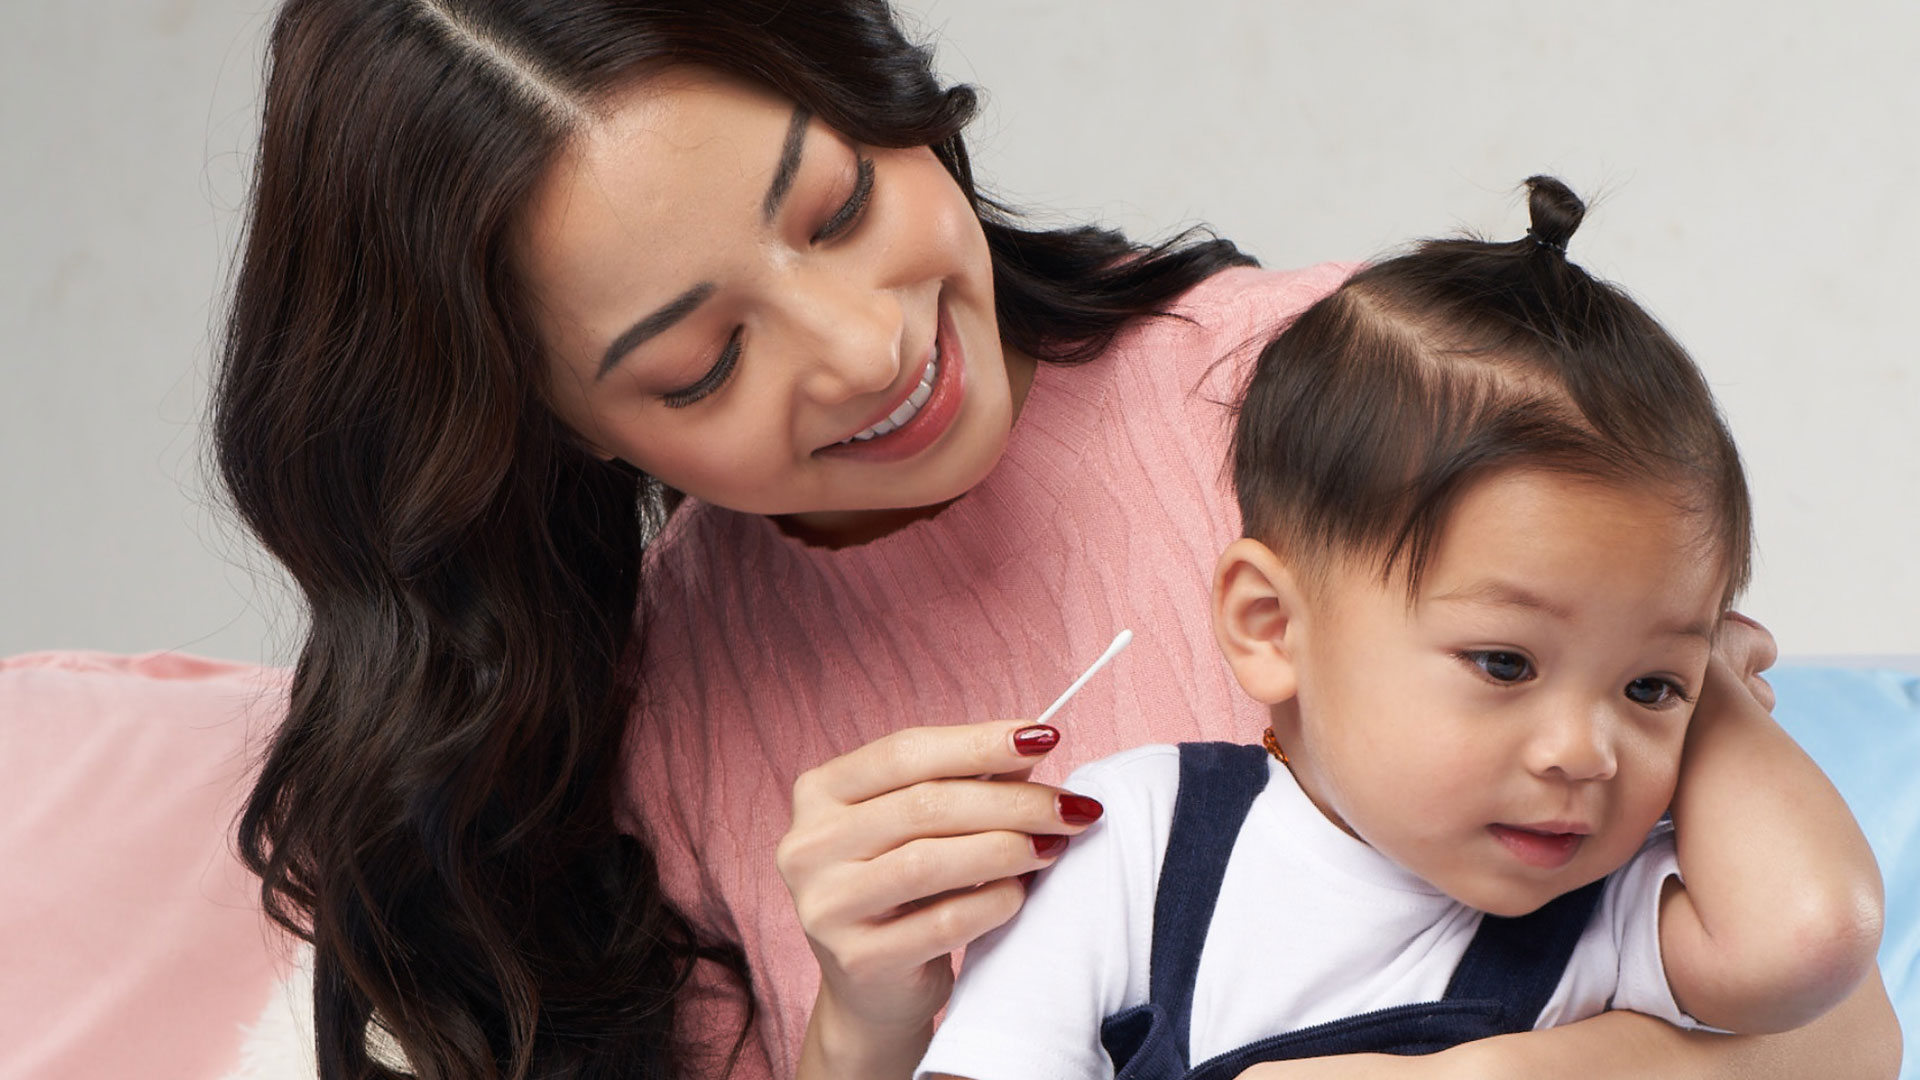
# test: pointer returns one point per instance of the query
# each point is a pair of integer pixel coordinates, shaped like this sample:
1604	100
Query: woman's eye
1651	690
714	379
1499	665
845	218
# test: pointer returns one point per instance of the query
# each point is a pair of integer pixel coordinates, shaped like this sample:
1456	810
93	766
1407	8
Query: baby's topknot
1554	212
1369	415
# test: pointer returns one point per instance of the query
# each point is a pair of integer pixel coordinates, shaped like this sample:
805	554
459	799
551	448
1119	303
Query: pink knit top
766	657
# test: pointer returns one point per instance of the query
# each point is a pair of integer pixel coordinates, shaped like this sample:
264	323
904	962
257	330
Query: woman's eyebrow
789	165
653	325
681	306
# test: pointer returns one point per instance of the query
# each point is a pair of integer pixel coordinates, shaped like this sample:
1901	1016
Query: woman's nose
1576	743
848	339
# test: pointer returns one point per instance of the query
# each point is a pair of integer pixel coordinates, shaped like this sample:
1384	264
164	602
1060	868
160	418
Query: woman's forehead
664	185
684	146
685	111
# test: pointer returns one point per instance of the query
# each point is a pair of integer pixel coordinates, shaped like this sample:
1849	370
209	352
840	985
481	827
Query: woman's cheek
728	464
933	225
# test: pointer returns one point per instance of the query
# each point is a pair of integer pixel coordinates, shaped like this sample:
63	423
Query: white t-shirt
1311	925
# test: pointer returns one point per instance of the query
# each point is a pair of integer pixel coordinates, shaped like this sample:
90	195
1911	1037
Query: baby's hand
1782	905
1749	649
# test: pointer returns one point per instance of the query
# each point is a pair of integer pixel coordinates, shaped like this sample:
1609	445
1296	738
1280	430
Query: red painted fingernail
1035	739
1026	879
1047	845
1080	810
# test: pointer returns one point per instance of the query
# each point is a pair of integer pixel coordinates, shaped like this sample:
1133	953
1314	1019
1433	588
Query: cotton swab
1120	641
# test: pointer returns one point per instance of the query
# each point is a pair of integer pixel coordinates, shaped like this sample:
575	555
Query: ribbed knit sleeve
765	656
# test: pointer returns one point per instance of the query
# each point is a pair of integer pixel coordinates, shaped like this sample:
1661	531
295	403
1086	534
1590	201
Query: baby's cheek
1433	803
1664	777
1642	803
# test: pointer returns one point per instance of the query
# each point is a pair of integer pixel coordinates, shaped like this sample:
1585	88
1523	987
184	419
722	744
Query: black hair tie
1546	243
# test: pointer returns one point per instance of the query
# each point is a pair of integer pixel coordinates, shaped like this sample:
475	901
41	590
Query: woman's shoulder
1259	293
683	553
1252	302
684	587
1213	331
1171	374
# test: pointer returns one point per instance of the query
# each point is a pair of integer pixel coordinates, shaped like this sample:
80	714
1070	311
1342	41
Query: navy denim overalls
1509	972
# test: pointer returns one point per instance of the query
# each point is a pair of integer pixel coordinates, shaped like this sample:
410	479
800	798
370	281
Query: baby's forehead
1562	493
1549	542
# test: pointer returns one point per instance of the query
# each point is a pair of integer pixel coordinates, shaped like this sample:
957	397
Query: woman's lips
932	420
1548	847
904	396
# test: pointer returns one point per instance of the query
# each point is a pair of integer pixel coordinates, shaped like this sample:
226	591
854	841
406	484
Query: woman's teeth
907	408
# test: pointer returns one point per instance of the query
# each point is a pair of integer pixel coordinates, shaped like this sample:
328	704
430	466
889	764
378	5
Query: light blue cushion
1863	727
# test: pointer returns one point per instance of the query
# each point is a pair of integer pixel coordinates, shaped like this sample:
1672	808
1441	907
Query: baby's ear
1257	607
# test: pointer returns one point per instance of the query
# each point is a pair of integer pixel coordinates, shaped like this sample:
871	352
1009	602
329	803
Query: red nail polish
1080	810
1035	739
1046	846
1026	879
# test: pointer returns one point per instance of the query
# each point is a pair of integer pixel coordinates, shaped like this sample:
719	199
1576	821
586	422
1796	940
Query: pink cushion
131	940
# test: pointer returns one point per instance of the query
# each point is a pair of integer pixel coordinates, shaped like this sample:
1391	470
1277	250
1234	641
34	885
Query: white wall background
1756	165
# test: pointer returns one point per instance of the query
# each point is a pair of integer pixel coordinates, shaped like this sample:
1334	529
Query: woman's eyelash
844	218
714	379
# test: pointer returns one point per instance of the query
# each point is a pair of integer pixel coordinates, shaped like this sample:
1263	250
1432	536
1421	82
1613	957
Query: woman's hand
901	852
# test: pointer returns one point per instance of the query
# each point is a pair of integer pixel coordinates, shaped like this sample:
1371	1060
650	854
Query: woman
522	276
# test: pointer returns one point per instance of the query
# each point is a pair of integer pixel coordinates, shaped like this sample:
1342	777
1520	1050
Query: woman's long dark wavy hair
437	814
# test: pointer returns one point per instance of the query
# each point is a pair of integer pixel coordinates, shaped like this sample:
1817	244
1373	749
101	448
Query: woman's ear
1257	609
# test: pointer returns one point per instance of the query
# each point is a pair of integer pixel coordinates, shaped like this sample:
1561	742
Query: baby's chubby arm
1780	913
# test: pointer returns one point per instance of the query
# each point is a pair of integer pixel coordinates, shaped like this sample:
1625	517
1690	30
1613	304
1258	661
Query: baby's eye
1499	665
1651	690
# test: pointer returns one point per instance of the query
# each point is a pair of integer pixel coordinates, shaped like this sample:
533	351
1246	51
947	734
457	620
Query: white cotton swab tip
1120	641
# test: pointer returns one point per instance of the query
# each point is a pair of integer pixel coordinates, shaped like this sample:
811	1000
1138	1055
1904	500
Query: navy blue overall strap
1503	981
1519	961
1218	783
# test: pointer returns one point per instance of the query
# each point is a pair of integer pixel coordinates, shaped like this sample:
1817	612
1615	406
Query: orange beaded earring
1272	743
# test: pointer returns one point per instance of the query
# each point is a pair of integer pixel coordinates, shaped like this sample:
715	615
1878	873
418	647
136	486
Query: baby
1492	524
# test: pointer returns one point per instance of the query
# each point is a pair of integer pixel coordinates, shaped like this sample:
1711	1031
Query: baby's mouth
1548	846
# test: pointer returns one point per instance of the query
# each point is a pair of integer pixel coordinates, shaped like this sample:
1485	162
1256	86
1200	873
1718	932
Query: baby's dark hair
1377	407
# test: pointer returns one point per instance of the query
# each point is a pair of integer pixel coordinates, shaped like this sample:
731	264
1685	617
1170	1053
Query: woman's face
762	314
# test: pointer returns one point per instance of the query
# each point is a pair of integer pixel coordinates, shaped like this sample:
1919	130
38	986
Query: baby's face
1516	732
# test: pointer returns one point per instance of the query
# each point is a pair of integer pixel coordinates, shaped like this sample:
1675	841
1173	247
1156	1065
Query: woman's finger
913	755
918	873
936	808
882	951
